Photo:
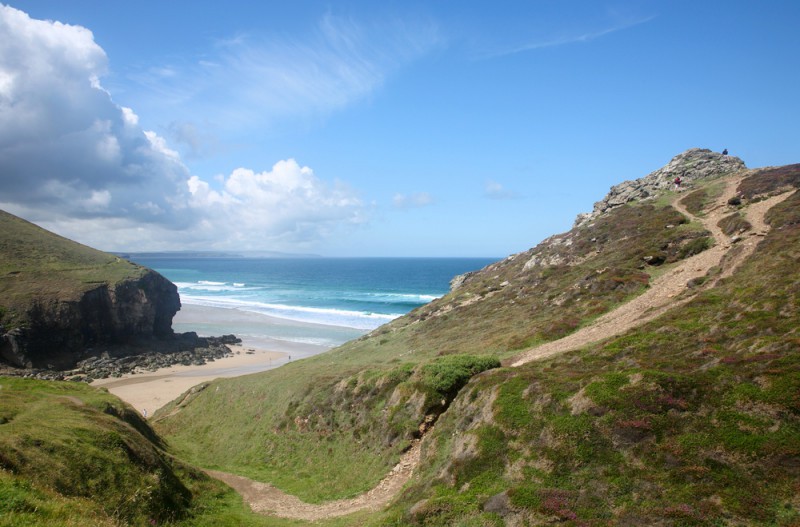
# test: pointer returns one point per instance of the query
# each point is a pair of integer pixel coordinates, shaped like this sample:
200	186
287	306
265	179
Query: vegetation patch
441	379
734	224
769	180
696	201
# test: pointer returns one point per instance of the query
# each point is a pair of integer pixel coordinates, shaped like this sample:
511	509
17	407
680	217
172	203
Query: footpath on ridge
666	292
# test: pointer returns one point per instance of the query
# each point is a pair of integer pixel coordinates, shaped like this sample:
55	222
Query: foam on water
313	315
338	299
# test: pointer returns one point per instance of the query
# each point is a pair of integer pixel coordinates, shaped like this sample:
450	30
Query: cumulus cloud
66	149
286	205
406	201
75	162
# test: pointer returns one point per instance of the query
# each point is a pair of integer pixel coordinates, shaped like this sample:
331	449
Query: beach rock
185	348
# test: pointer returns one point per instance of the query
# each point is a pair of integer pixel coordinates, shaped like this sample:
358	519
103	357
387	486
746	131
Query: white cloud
75	162
495	190
130	118
406	201
64	142
286	205
255	81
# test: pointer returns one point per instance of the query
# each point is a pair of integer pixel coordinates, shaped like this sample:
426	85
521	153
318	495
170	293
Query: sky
360	128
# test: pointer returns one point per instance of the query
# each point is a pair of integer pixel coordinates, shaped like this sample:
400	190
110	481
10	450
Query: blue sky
373	128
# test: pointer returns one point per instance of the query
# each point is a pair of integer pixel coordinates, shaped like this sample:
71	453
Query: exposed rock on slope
59	299
60	332
692	165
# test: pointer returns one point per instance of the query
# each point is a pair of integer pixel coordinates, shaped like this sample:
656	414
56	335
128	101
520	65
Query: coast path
666	292
263	498
670	290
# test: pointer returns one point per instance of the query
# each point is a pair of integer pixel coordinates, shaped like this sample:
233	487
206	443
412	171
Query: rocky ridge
692	165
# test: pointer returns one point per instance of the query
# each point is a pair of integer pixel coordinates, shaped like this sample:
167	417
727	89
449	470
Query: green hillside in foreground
35	263
692	418
72	455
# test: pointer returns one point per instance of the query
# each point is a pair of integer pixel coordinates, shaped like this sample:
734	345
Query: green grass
692	419
82	443
72	455
37	265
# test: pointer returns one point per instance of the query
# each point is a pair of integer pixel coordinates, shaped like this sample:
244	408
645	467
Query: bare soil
266	499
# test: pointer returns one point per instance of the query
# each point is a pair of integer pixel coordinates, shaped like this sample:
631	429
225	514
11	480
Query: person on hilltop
725	152
677	184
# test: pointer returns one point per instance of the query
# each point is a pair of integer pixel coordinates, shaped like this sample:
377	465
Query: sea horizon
320	301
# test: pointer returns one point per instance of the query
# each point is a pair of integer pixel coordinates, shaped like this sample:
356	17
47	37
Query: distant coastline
210	254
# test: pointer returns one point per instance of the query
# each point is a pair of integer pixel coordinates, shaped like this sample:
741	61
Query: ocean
317	301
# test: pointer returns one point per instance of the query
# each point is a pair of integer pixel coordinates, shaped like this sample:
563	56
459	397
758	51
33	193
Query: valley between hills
640	369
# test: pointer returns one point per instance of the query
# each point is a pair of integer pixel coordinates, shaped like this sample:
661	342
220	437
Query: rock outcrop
115	361
692	165
58	333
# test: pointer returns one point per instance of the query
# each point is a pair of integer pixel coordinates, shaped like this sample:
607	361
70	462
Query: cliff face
59	299
59	332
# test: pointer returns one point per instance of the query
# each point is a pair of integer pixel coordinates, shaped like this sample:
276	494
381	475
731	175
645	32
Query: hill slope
689	415
507	444
58	298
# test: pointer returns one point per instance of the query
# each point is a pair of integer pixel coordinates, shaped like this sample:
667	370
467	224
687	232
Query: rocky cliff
60	300
58	333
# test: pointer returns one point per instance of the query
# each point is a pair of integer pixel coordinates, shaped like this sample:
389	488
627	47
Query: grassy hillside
690	419
331	426
693	419
655	426
37	263
74	455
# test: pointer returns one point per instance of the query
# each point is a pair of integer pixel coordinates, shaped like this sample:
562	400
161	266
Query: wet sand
148	391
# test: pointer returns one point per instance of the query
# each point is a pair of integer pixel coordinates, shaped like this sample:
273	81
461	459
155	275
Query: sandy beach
148	391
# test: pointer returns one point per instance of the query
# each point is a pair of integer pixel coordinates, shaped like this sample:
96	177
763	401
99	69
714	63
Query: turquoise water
341	298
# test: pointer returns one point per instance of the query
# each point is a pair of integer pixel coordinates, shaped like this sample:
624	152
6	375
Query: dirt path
266	499
670	289
666	292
